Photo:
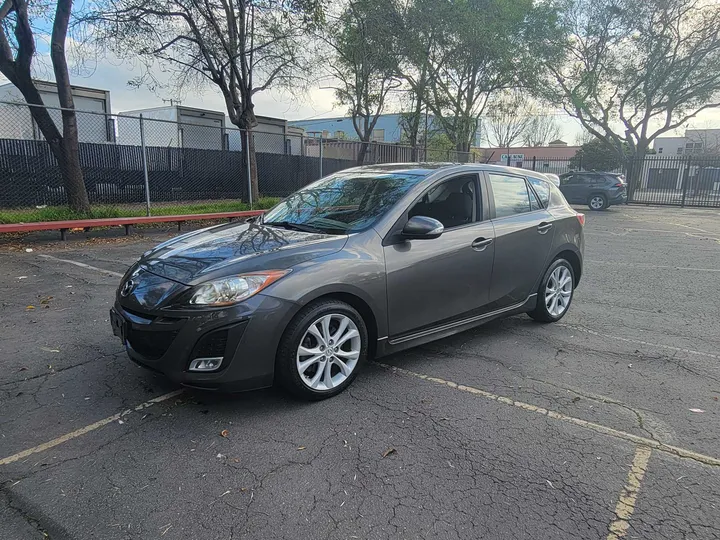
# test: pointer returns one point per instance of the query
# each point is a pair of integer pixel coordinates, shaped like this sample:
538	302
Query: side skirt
392	345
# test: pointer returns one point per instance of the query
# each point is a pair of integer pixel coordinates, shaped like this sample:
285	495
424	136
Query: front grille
211	345
153	344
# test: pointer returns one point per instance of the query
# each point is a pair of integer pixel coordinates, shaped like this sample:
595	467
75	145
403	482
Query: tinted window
510	194
542	189
342	203
453	203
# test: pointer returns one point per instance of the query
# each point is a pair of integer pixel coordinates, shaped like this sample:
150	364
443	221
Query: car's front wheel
555	292
322	350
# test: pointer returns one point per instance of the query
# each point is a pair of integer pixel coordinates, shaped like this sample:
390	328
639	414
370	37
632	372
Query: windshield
342	203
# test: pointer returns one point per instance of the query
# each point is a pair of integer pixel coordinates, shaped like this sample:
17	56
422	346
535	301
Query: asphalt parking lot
605	425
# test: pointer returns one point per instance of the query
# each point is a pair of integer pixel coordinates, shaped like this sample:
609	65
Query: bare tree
363	64
242	47
636	69
583	137
541	129
508	118
17	50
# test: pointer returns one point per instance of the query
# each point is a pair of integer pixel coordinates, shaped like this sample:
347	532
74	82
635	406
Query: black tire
541	313
285	364
600	198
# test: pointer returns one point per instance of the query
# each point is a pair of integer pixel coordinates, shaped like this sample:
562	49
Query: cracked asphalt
481	435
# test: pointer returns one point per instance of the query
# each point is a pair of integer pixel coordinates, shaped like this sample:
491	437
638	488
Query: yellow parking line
628	496
598	428
87	429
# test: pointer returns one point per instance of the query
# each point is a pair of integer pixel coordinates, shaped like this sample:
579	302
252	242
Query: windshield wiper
293	226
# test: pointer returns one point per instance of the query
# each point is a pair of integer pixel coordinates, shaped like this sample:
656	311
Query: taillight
619	184
581	218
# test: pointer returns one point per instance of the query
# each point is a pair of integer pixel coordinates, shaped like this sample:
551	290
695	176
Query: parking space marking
637	341
87	429
83	265
628	496
598	428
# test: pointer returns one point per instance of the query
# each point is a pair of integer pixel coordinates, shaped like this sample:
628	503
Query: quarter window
542	189
511	195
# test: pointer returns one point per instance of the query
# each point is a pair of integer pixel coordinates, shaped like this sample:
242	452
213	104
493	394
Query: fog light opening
206	364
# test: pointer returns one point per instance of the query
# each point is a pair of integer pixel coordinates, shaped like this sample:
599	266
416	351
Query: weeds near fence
62	213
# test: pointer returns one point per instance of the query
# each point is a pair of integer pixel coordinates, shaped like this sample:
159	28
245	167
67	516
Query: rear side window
542	189
511	195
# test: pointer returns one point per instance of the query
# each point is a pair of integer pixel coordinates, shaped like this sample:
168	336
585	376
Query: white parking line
83	265
599	428
87	429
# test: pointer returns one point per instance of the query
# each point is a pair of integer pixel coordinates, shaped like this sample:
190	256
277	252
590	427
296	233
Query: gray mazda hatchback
363	263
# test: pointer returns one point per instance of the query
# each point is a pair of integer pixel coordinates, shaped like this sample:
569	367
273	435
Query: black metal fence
692	180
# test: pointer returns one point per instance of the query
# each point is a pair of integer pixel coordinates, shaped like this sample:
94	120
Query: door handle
480	244
544	227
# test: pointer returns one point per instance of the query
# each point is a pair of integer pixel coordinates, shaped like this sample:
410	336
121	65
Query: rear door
524	233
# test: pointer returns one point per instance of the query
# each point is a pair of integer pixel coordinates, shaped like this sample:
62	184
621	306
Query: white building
271	136
94	126
173	126
695	141
177	126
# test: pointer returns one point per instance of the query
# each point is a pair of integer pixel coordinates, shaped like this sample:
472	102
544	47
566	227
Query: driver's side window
453	202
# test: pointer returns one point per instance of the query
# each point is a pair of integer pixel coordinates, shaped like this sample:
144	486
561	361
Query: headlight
233	289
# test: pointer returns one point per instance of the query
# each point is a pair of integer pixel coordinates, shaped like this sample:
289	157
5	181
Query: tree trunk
362	152
70	148
462	151
635	164
249	153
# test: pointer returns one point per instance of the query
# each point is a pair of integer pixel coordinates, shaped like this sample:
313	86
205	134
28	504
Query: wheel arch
357	299
575	260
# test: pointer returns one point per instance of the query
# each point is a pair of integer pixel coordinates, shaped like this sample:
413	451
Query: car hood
235	248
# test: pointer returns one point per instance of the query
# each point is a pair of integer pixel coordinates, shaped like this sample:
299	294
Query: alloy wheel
328	352
597	203
558	291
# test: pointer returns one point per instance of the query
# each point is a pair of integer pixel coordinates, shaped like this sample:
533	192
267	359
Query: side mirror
422	228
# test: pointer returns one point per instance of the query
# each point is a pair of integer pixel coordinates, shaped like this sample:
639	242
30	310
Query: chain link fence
137	165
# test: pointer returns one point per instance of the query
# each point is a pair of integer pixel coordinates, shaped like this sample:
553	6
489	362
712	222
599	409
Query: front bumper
246	336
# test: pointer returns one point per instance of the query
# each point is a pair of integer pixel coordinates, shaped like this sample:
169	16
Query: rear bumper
245	336
620	198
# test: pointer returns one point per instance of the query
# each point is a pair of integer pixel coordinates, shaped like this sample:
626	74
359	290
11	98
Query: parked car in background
367	261
554	178
599	190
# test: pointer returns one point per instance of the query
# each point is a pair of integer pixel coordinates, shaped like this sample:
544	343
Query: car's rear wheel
598	202
322	350
555	292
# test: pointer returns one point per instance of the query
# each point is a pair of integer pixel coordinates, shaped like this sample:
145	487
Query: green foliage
596	155
458	53
363	60
632	70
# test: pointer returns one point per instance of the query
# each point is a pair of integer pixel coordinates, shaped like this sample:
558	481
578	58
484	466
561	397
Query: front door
431	281
524	233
